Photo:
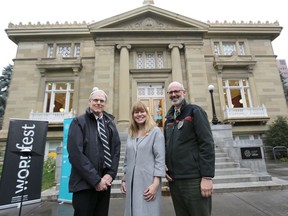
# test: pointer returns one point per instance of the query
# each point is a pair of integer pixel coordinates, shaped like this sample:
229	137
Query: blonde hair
96	90
149	123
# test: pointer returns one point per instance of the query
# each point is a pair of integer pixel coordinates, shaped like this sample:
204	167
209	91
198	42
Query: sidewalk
261	203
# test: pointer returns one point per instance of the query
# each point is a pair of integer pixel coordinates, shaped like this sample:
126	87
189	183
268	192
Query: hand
150	192
206	186
123	187
108	179
168	177
102	185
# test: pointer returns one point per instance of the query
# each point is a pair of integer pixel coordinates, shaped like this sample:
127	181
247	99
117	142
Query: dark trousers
187	198
91	202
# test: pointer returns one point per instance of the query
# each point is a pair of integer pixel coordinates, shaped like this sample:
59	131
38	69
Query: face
97	103
140	117
176	94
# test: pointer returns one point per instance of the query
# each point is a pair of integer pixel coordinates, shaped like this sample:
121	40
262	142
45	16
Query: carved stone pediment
148	18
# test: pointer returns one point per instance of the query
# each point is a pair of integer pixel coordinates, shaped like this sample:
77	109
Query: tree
277	135
5	80
285	86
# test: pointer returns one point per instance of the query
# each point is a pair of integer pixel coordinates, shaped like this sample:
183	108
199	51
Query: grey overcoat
144	159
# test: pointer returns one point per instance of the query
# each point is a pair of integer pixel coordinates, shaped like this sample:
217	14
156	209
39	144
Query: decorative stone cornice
47	24
225	22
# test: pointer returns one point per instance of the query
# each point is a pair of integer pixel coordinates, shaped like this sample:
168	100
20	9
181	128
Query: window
58	97
149	60
229	48
247	137
237	93
64	50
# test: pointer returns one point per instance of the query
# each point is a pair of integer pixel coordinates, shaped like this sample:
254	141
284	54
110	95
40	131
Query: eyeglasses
98	100
175	92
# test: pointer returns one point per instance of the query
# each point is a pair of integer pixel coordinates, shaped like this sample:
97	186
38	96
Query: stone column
124	90
176	62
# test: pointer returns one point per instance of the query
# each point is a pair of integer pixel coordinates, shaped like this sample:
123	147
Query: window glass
217	48
237	93
64	50
50	51
58	97
241	48
229	48
244	137
149	60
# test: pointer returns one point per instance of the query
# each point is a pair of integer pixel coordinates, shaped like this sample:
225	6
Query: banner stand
21	176
28	155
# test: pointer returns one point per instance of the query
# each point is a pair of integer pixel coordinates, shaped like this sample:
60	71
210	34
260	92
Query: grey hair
177	83
96	90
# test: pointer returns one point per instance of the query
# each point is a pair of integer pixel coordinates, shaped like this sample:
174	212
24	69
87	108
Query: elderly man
190	155
94	152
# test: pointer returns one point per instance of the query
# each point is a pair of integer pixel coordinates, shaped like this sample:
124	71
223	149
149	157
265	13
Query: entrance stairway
229	176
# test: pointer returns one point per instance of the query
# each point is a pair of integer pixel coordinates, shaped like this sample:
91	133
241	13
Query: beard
177	102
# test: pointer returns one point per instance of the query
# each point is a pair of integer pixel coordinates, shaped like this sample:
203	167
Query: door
152	94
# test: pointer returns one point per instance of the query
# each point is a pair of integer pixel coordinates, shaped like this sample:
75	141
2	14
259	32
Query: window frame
144	54
53	49
245	91
240	47
68	91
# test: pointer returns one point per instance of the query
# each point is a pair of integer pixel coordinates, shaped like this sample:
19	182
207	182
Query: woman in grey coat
144	164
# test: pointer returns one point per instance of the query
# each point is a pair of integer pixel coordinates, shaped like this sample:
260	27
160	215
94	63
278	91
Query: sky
35	11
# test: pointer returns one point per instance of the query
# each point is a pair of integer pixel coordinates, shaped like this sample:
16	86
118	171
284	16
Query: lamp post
214	119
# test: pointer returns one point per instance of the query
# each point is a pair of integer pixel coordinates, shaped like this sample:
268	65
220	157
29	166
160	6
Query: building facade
134	56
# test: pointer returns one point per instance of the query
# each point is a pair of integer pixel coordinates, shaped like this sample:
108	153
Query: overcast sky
87	10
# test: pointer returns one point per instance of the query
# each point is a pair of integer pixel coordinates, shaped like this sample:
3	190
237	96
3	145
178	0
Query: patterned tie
104	139
176	113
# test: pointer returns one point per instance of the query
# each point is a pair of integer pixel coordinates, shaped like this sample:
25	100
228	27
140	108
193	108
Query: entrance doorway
152	94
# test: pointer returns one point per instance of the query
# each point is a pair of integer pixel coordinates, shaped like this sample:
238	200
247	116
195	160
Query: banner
21	178
64	194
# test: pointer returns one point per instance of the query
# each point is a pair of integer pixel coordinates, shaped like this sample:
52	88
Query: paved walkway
262	203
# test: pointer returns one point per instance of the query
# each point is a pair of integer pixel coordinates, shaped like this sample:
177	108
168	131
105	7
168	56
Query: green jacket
189	143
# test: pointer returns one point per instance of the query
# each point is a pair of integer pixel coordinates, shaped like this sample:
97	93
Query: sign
23	163
64	194
251	153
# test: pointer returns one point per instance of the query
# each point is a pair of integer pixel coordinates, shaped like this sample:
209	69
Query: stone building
133	56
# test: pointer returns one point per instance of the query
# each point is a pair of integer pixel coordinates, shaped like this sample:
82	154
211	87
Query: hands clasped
104	183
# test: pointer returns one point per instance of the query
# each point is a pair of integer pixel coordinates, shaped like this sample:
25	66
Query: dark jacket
85	151
189	143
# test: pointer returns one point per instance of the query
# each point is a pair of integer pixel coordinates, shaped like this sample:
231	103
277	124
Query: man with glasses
94	151
190	155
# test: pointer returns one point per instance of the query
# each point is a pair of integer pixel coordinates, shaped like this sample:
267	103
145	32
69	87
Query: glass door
153	96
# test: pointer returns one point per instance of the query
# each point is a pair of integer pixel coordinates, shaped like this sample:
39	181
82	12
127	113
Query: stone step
216	180
228	164
231	171
229	176
274	184
218	172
